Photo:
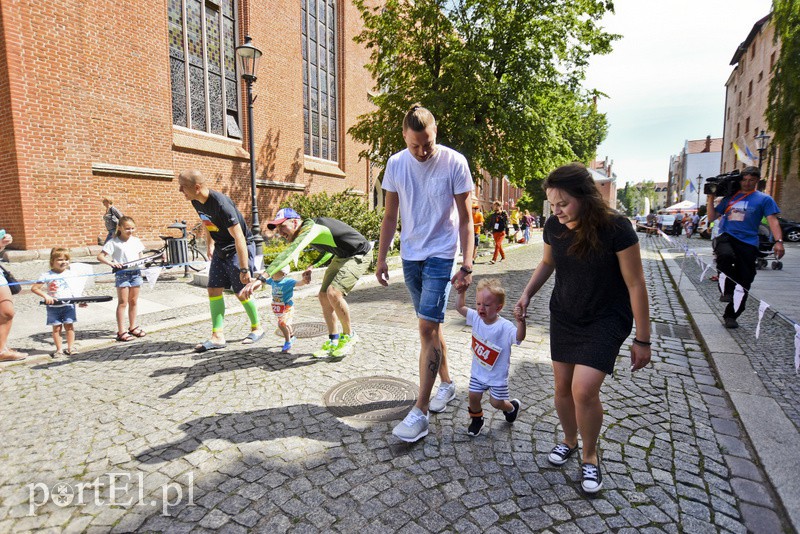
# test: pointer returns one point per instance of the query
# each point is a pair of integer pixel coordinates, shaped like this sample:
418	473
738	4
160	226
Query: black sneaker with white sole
591	478
512	415
475	426
561	453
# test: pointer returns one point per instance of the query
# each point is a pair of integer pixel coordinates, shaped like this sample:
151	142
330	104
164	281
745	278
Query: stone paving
151	436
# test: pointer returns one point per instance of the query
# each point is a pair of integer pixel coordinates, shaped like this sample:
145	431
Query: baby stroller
765	252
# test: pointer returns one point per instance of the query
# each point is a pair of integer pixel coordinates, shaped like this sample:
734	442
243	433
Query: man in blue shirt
736	246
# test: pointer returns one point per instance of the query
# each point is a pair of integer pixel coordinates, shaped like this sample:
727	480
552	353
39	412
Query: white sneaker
413	427
445	394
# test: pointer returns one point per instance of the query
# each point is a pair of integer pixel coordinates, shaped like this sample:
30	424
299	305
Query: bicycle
176	251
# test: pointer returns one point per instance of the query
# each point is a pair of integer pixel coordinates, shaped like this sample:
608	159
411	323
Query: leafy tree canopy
502	77
783	112
632	197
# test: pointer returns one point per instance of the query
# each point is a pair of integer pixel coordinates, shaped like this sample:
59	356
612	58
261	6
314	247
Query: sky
665	78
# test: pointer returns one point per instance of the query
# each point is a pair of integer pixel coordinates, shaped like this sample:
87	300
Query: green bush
273	247
346	207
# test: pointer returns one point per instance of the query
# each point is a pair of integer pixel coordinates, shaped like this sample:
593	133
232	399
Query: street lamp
699	183
248	65
762	140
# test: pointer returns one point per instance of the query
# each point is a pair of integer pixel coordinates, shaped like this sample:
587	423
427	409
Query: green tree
783	112
502	77
647	189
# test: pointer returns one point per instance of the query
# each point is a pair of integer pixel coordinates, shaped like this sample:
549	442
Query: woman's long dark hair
594	215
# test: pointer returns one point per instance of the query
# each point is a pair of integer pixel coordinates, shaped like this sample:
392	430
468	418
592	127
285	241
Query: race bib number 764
485	352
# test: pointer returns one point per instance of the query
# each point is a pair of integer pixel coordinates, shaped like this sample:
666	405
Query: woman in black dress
599	292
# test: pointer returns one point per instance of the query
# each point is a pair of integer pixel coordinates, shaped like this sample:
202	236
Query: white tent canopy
686	205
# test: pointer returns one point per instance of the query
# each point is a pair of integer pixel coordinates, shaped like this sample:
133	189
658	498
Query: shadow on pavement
232	361
312	421
144	350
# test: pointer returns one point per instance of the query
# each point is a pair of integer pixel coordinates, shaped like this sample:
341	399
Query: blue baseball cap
282	215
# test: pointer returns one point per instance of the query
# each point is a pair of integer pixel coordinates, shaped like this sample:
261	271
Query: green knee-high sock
217	305
252	312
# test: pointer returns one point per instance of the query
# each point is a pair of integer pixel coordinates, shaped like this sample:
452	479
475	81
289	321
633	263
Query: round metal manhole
372	398
306	330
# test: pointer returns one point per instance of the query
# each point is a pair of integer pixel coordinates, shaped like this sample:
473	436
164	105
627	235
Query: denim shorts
128	278
61	315
428	282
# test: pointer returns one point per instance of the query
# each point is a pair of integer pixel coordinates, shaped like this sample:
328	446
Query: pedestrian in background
513	222
430	186
599	292
6	310
525	222
477	222
110	218
498	222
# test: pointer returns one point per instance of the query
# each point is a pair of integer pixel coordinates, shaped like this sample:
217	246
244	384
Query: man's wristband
466	270
244	270
642	343
779	241
261	277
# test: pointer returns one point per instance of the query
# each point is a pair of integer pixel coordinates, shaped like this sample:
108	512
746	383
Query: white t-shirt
491	348
426	190
124	251
57	285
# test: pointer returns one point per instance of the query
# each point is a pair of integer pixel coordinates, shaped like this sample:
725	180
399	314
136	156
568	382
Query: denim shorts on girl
128	278
428	282
61	314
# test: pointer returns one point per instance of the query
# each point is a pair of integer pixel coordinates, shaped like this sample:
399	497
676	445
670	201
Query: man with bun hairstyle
430	187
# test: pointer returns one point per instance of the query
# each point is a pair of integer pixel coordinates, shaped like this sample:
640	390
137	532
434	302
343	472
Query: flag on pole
749	152
740	146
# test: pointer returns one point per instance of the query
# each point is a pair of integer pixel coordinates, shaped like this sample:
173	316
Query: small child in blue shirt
283	303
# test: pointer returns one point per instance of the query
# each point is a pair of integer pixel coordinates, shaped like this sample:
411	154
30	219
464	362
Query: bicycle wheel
196	256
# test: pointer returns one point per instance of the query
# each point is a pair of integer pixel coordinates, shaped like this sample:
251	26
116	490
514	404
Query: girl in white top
123	248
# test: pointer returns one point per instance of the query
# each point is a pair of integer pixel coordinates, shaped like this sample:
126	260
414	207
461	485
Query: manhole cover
306	330
373	398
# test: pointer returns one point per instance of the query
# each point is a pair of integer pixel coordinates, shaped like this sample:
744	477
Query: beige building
746	101
699	159
605	179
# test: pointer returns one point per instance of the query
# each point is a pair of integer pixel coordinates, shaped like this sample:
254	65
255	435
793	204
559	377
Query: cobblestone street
151	436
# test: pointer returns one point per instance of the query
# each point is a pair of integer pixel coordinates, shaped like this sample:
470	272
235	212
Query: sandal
125	336
137	331
11	355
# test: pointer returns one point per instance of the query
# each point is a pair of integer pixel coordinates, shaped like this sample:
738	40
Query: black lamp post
762	140
248	65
